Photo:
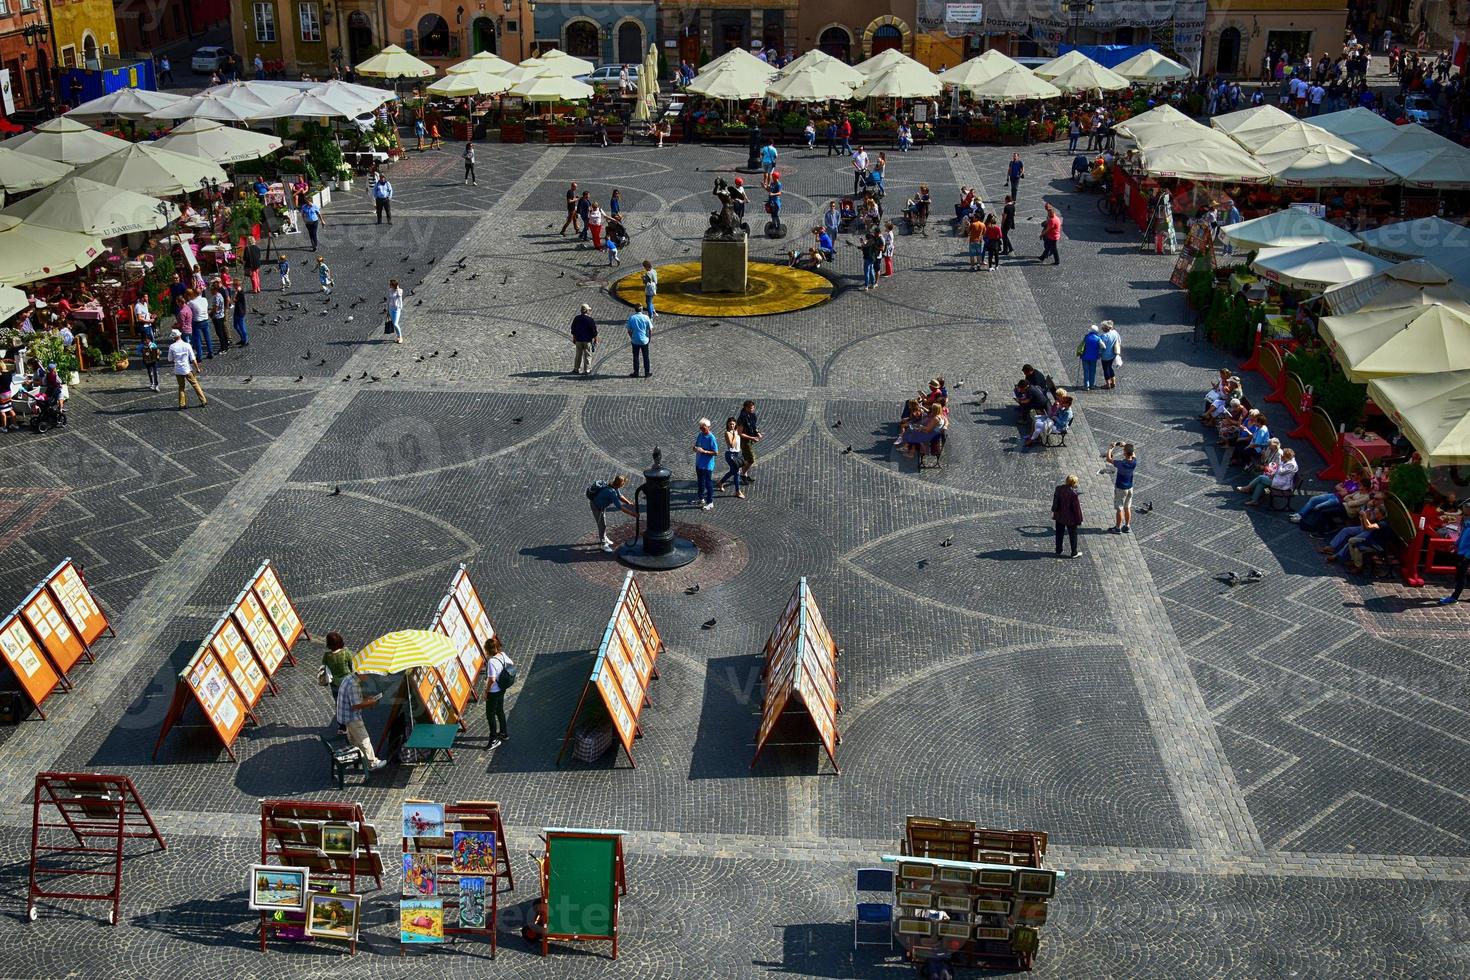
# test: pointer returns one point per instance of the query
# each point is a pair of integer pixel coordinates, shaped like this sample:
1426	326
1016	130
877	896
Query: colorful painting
423	820
275	888
420	877
474	852
331	916
339	838
471	903
421	920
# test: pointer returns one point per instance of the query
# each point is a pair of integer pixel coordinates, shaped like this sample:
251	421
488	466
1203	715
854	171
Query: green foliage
703	58
1200	282
1311	366
324	155
859	120
793	122
244	215
48	349
158	279
1409	483
663	65
1342	399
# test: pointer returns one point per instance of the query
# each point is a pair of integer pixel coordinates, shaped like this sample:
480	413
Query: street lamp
1078	9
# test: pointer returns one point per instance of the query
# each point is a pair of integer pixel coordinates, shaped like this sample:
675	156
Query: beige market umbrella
1061	63
394	62
231	102
1401	139
1089	77
1445	168
1405	340
564	61
482	62
126	103
900	81
1296	136
311	105
1324	166
552	88
827	65
884	60
66	141
147	169
1416	282
1203	160
1164	133
1253	118
739	56
982	68
643	104
20	172
1287	228
1158	115
12	301
1432	410
211	140
1315	266
1349	124
1423	237
1150	66
732	80
467	84
89	208
365	96
29	252
809	84
553	67
1015	85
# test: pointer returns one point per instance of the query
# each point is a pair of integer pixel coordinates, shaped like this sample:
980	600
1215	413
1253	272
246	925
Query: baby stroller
849	215
868	183
617	233
917	214
46	406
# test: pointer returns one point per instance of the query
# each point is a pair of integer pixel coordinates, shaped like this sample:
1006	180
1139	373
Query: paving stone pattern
1266	781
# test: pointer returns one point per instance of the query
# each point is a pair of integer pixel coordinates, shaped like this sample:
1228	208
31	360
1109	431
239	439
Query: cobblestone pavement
1265	781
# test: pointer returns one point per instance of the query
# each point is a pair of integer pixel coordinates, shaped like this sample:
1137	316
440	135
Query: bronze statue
724	225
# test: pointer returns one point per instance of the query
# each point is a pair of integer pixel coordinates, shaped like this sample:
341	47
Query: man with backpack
603	497
500	674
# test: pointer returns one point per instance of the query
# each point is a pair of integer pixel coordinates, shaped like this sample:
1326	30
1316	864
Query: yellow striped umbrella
393	653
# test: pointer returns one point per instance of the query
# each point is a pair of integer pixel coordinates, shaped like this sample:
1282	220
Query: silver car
610	75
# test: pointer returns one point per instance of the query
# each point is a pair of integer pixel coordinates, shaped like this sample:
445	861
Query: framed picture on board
993	906
1031	912
954	903
1001	935
423	820
330	916
918	872
954	930
1036	882
278	889
956	876
915	927
339	838
996	879
915	900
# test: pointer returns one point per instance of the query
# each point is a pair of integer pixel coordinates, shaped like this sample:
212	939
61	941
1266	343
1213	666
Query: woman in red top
992	242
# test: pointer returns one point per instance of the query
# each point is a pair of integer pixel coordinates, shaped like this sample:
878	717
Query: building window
69	56
27	4
434	36
311	22
4	8
265	23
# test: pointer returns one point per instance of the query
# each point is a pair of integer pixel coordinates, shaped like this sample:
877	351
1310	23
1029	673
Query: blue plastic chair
873	918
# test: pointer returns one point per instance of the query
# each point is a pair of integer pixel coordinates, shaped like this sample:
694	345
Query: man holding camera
1120	457
350	705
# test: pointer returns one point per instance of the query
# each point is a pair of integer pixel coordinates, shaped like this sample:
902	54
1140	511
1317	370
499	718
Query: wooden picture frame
954	930
915	927
339	839
1040	882
996	879
954	903
325	912
915	900
993	906
991	934
956	876
277	888
915	871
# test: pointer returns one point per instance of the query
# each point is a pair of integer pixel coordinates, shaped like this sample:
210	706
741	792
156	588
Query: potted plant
344	178
94	357
119	360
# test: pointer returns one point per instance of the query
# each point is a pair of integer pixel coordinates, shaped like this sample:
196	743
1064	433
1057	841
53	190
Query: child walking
283	268
324	273
612	253
151	356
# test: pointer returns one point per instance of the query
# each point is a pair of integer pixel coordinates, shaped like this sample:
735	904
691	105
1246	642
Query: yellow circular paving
770	289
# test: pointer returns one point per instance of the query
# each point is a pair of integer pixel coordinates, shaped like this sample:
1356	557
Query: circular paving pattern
722	556
770	288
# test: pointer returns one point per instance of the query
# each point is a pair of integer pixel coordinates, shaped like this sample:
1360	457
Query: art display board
962	840
582	878
461	616
235	664
463	851
1199	243
626	664
977	913
23	653
69	588
53	629
297	834
801	666
98	813
429	690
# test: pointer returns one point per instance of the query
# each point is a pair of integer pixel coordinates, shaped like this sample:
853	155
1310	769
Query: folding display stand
291	835
583	875
470	815
91	807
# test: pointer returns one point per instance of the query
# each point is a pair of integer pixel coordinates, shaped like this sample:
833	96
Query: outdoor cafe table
1373	446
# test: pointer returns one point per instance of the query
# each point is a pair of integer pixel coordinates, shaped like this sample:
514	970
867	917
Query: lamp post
1077	9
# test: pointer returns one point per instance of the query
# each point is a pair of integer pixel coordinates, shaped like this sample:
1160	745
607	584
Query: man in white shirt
1314	98
186	364
199	305
859	167
143	318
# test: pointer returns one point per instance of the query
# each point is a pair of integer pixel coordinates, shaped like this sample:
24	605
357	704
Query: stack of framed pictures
801	669
453	857
313	855
972	912
52	628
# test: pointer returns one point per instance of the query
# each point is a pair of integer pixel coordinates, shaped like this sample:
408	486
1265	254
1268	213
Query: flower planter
513	132
561	135
462	132
121	365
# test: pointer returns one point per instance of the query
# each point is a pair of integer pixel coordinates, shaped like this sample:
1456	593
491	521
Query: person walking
165	71
311	216
283	270
324	274
608	496
1112	353
750	434
733	457
1007	225
1015	170
1074	133
1051	234
420	133
240	307
218	304
395	309
336	663
469	164
584	207
584	340
1120	457
199	316
706	449
350	704
1090	351
768	161
571	209
889	237
640	331
1066	514
1462	557
872	254
650	286
993	237
975	229
252	263
499	675
831	136
844	131
383	198
151	357
594	224
186	368
859	169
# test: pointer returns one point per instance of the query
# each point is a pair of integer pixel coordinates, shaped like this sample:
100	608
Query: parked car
1421	109
609	75
210	58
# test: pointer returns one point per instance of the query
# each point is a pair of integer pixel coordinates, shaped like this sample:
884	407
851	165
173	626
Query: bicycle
1111	205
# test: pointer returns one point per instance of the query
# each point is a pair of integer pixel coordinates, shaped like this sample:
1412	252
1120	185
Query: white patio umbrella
1445	168
366	96
1400	139
148	169
884	60
1352	123
211	140
1164	133
1252	118
559	67
66	141
809	84
1324	166
1062	63
981	68
1407	340
1158	115
1297	136
901	81
481	62
733	80
1202	160
739	56
84	206
552	88
20	172
1433	410
126	103
12	301
466	84
232	102
1287	228
29	252
1015	85
1431	237
827	65
309	105
1416	282
394	62
1089	77
1150	66
558	57
1315	266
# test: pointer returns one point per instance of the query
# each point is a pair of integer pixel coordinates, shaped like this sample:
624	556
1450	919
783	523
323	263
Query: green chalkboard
583	886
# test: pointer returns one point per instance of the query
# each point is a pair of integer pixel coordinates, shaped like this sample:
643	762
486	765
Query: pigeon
299	377
846	451
435	354
1153	316
984	396
336	492
431	261
922	563
322	362
837	424
517	420
512	333
561	275
1147	507
248	380
1254	575
420	359
454	353
374	378
473	276
418	302
692	590
397	373
348	378
946	542
1230	579
306	356
361	376
708	624
361	247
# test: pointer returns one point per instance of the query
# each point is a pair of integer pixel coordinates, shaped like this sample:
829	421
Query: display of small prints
982	932
1037	881
420	877
919	872
996	879
471	903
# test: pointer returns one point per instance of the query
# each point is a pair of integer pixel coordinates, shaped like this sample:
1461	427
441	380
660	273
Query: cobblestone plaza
1260	781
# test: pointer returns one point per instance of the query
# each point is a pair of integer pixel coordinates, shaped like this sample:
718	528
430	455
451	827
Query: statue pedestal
723	266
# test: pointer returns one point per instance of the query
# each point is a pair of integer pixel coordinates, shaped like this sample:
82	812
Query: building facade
610	32
145	25
707	30
852	30
26	57
85	31
1238	33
